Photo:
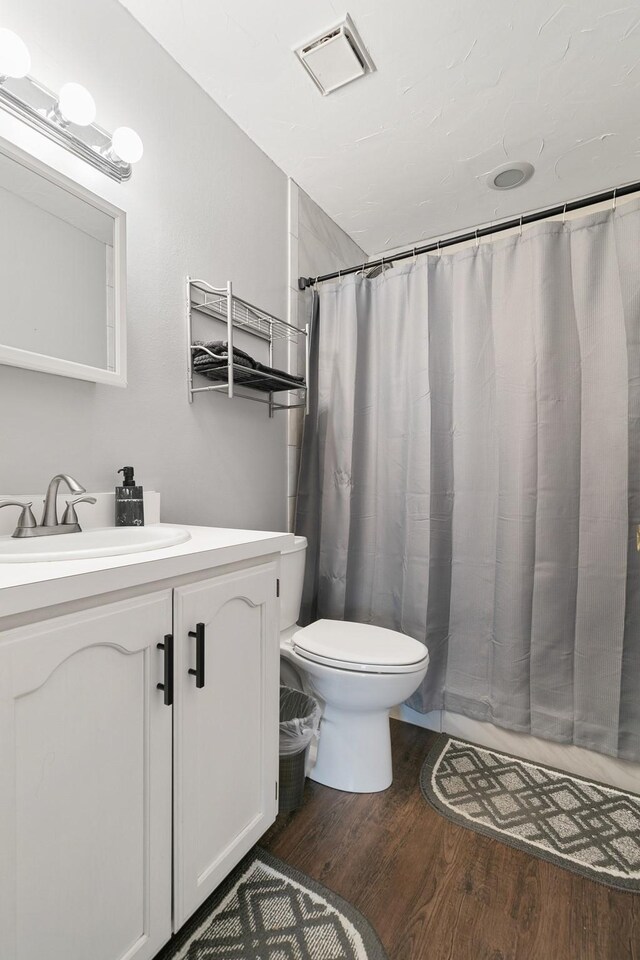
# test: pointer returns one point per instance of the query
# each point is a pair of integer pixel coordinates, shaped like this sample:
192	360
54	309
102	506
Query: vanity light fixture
127	145
75	105
68	119
15	59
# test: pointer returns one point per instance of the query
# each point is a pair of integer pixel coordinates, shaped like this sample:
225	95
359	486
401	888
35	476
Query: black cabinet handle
198	673
167	686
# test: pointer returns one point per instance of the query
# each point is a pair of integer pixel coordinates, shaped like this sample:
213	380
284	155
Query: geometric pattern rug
266	910
575	823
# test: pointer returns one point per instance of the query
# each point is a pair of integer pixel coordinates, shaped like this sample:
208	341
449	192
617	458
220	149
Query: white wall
317	245
203	201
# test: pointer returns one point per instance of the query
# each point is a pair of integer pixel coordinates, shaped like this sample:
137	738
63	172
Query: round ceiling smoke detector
510	175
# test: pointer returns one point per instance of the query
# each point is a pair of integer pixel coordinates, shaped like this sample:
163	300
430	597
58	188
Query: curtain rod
436	245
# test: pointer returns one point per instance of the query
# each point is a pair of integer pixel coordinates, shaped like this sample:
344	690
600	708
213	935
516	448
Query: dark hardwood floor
436	891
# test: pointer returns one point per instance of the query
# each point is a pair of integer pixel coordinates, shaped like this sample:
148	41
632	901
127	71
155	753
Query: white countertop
30	586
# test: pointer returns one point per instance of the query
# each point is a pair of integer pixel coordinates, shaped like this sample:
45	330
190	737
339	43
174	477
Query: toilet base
354	751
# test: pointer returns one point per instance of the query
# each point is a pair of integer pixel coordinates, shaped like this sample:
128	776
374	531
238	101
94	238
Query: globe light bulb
76	105
15	60
127	145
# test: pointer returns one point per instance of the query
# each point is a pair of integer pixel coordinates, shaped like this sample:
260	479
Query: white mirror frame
14	356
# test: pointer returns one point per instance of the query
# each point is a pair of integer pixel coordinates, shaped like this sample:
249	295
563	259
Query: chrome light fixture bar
30	101
67	119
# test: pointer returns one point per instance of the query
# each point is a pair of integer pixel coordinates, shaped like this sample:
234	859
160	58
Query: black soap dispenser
129	501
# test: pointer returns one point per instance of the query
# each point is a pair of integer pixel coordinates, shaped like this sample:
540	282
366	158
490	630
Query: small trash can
299	722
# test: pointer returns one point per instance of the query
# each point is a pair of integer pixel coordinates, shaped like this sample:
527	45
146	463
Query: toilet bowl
359	672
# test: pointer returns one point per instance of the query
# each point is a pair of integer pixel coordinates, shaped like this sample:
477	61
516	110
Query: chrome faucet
49	525
50	514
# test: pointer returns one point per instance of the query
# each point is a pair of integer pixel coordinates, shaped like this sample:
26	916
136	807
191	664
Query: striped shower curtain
471	474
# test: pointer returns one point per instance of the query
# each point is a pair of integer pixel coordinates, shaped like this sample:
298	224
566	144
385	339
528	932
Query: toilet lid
359	646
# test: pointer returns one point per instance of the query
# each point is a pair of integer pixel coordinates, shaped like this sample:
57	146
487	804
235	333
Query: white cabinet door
85	785
225	731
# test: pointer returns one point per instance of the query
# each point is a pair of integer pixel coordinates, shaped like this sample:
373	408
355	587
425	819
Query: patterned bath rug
578	824
266	910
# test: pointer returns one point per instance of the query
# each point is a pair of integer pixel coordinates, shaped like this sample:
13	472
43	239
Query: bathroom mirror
62	274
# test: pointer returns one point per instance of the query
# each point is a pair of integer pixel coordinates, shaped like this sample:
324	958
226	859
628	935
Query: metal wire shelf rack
220	303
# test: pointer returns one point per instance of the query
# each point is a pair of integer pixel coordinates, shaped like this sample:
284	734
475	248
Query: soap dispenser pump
129	501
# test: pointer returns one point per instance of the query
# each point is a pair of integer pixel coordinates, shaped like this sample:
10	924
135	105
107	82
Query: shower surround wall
317	245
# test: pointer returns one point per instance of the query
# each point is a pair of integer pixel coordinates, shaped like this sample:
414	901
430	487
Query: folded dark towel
220	349
256	379
257	375
274	372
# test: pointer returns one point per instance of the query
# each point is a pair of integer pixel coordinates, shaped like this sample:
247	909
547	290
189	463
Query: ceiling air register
336	58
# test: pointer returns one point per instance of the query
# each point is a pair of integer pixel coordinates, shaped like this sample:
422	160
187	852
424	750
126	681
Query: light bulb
15	60
76	105
127	145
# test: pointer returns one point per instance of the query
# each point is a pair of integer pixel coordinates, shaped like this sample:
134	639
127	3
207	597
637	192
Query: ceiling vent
336	58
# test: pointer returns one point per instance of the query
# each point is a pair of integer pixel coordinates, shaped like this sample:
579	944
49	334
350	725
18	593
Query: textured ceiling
460	87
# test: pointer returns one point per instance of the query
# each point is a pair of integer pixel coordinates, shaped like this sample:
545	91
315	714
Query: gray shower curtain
471	474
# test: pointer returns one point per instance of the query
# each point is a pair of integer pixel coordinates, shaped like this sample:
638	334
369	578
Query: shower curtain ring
564	214
415	257
477	240
613	205
520	224
439	249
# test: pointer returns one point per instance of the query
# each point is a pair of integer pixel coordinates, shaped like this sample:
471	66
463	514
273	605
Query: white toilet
359	672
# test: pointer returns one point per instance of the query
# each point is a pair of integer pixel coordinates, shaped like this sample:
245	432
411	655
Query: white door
225	727
85	785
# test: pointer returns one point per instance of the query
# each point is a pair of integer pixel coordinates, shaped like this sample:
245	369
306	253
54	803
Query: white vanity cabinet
85	785
100	775
226	729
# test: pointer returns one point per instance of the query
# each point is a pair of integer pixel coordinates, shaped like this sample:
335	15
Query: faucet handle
26	518
70	515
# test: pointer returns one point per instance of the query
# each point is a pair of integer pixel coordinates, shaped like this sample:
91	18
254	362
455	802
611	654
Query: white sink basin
104	542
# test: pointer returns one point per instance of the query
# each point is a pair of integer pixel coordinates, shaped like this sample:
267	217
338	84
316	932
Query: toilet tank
291	581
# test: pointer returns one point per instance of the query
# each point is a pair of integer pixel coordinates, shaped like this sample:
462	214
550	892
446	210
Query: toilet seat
359	647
